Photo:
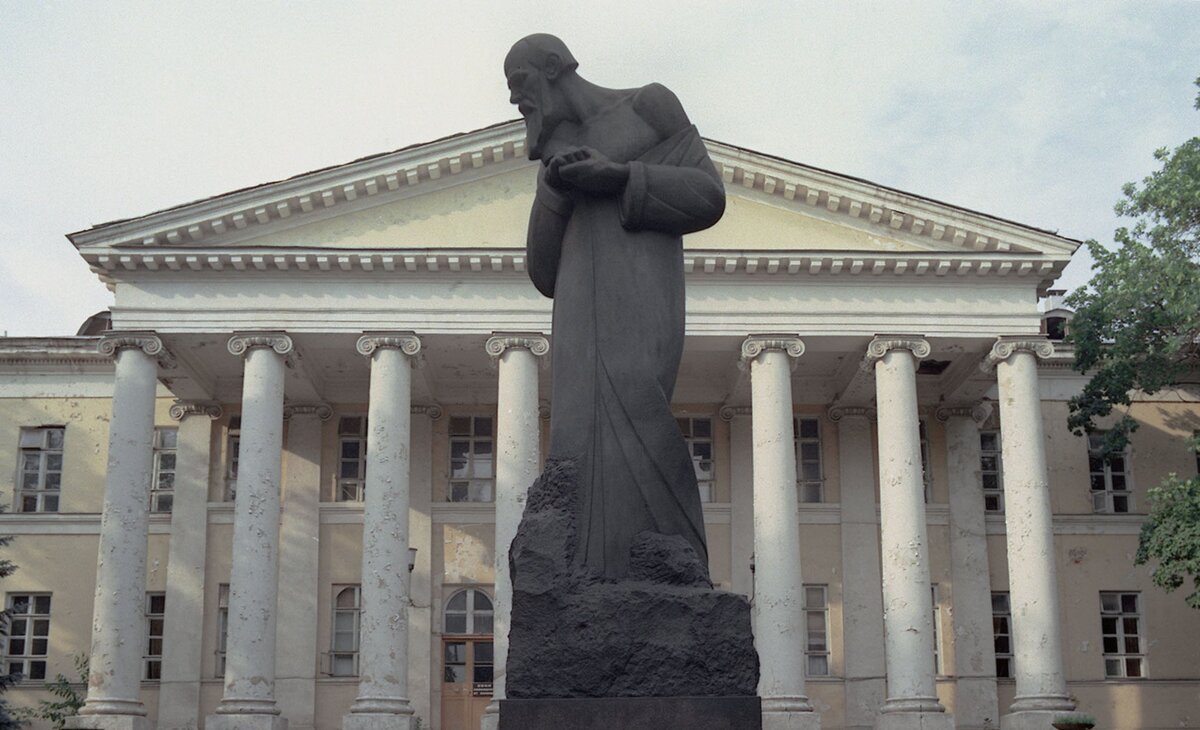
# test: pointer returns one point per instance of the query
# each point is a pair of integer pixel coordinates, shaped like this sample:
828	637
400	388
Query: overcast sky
1035	111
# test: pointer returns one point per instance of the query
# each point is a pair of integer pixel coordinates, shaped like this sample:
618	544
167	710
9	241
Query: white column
299	558
118	623
862	599
1032	583
383	701
907	602
975	704
249	699
517	461
741	501
179	689
421	679
778	590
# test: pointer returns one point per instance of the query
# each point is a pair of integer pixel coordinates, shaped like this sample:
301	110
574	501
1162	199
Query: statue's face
536	98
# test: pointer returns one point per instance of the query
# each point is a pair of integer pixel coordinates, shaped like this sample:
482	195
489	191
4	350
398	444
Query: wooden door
466	681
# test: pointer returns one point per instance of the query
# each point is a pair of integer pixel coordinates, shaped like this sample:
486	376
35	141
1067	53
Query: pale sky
1035	111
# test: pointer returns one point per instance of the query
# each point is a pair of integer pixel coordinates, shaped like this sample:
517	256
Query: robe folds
614	266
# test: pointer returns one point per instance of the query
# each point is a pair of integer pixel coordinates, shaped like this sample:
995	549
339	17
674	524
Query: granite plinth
662	631
632	713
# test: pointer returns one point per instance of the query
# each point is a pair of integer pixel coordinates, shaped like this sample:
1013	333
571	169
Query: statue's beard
539	127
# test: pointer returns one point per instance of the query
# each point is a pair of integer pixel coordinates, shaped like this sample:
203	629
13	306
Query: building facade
876	415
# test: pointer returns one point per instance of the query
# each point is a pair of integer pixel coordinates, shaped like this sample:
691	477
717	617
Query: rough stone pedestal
659	713
661	631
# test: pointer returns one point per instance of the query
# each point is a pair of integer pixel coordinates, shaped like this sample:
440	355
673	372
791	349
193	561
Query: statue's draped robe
614	266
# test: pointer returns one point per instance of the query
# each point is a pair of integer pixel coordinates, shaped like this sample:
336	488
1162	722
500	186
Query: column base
491	716
108	722
914	721
1030	719
789	713
377	721
245	722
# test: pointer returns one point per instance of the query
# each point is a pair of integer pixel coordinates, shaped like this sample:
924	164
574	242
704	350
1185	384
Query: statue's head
534	67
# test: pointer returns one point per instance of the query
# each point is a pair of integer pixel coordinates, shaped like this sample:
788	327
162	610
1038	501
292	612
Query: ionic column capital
728	413
979	413
755	345
181	409
433	410
1006	347
406	342
838	412
320	410
499	342
242	342
148	342
883	344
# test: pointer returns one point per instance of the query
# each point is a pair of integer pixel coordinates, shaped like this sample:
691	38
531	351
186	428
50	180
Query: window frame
1120	616
926	458
1002	614
806	488
222	630
151	661
46	499
157	493
233	446
470	612
997	492
355	613
351	489
822	612
28	636
474	485
1107	500
939	666
687	427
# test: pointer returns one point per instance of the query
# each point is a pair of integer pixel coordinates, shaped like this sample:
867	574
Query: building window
1121	628
468	611
697	432
1002	634
28	634
233	446
1109	475
472	468
156	609
816	623
926	470
352	458
991	471
937	631
347	616
809	480
222	626
162	484
41	469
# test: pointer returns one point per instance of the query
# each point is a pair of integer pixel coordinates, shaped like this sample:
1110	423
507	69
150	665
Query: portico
394	291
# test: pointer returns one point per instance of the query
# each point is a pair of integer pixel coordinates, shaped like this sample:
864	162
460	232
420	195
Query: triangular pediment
474	191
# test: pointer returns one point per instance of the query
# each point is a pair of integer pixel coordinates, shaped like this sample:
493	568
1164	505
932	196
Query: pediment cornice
217	233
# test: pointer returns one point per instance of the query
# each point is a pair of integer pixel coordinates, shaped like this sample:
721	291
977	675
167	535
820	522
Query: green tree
1137	328
68	693
8	720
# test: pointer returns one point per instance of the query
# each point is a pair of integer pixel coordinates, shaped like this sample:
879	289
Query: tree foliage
1137	323
1137	328
68	693
8	719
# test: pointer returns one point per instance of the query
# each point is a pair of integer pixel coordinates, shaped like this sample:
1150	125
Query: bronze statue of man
624	175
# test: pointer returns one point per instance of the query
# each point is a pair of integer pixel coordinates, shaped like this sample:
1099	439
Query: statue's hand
588	171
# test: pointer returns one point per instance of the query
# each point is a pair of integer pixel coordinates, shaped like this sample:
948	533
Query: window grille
352	458
472	459
162	482
28	634
41	469
1109	477
991	471
810	479
697	432
156	609
1121	630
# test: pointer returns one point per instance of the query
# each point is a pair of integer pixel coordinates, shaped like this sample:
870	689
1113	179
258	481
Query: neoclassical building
278	487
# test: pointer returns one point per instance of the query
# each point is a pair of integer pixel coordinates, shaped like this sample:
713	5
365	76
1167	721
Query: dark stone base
661	632
632	713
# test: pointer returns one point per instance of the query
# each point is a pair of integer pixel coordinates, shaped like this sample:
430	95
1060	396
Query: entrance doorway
466	659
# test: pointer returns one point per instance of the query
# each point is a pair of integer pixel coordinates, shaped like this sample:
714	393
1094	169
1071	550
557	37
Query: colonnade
896	555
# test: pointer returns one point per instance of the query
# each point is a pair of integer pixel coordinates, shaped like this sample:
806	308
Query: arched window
468	611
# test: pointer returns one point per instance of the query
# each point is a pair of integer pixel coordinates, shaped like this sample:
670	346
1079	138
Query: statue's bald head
542	51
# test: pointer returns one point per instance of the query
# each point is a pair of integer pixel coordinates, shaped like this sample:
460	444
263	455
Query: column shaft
974	647
383	648
179	690
779	628
249	699
1033	585
118	630
907	601
862	600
